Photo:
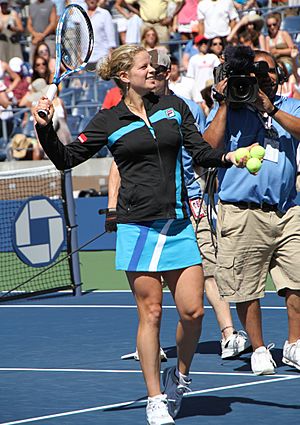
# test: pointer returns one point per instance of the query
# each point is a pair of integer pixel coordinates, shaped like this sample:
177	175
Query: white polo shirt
216	16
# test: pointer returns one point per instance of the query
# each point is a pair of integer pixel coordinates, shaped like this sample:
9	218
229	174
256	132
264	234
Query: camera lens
242	89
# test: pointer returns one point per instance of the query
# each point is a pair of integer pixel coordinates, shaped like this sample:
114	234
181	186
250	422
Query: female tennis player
155	238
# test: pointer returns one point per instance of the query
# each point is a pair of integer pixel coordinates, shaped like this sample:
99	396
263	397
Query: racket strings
75	39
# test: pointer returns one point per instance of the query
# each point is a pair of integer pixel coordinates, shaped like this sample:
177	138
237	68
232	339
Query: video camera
239	64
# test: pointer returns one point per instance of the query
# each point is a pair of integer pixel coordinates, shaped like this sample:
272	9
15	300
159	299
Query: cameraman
258	228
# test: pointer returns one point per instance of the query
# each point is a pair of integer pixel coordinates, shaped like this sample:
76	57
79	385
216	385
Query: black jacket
148	158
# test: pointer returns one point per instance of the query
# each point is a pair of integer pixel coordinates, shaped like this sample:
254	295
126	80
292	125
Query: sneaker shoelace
269	347
183	388
240	335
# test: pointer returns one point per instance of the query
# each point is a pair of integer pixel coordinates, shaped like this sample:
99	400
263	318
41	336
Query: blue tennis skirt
155	246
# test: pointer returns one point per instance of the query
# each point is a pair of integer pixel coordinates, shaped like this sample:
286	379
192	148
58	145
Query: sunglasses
217	44
271	25
40	64
43	51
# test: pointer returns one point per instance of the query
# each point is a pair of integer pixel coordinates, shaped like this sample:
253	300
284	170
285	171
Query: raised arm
88	143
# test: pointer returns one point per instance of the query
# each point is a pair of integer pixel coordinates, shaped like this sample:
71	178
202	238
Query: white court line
113	306
29	369
134	402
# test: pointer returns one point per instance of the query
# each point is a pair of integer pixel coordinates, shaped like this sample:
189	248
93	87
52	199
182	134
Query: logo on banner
38	232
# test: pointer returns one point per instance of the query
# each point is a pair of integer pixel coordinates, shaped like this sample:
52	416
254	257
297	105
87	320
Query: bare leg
220	306
147	291
186	286
250	316
293	309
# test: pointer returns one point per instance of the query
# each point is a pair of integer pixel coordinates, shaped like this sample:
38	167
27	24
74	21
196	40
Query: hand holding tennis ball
252	158
242	153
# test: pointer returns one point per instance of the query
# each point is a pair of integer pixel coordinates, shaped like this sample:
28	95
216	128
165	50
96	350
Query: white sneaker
157	411
135	356
234	345
262	362
174	390
291	354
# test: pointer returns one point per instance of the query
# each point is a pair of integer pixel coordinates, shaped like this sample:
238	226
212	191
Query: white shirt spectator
201	68
216	16
104	33
186	87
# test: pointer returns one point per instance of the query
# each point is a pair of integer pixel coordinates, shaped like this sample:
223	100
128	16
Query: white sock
182	379
157	397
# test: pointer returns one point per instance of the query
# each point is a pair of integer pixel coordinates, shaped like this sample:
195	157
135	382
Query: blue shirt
192	186
275	182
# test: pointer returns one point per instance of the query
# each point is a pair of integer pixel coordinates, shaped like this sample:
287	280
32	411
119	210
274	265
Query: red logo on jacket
82	138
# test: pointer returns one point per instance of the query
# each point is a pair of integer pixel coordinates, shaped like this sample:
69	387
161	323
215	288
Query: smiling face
141	76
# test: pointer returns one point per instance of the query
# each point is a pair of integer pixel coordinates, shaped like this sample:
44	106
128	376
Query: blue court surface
60	364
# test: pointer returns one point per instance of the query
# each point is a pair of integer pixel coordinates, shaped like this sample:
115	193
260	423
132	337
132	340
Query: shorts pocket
228	274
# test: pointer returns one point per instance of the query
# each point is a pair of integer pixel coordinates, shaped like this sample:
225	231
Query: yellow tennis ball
257	152
253	165
241	153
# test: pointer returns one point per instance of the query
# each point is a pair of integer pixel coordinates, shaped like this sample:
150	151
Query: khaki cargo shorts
205	243
251	243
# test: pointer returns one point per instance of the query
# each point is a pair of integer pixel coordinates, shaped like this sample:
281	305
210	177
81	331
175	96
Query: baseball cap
159	58
3	1
199	39
15	63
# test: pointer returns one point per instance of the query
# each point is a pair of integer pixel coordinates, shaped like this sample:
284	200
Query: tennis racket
74	45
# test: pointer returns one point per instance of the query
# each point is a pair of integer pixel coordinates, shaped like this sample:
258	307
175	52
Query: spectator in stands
112	98
189	51
42	50
243	5
120	16
10	29
41	24
216	17
150	39
103	27
41	69
38	89
7	87
20	88
23	148
249	39
187	19
60	5
251	23
181	85
201	66
279	42
154	13
216	45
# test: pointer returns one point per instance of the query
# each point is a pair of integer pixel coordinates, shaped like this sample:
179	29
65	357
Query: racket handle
51	92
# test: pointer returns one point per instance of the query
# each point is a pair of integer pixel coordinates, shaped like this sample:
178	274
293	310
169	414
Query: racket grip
51	92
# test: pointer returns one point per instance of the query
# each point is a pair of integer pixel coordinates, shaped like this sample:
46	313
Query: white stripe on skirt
159	246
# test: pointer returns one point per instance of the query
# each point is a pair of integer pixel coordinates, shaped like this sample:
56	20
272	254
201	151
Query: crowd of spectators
194	32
